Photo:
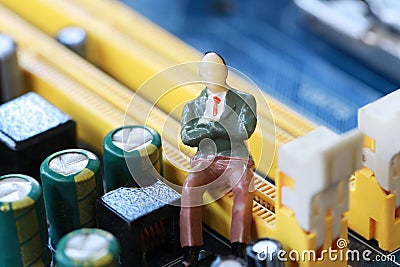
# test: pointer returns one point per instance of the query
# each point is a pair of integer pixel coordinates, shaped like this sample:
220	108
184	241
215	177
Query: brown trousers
208	174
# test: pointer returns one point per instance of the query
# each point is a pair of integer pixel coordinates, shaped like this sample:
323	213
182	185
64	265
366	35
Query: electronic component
375	189
23	235
71	182
380	122
264	252
318	167
228	261
142	219
74	38
11	79
88	247
132	154
30	130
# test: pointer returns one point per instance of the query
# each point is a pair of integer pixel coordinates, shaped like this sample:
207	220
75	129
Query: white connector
380	120
320	164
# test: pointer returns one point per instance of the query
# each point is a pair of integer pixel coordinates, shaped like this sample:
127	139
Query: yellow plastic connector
372	211
375	189
299	240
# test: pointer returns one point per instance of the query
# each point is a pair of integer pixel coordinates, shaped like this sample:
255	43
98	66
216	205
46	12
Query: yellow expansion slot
262	144
96	116
123	18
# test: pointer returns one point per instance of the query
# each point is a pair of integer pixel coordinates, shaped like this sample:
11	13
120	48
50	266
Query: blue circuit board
266	40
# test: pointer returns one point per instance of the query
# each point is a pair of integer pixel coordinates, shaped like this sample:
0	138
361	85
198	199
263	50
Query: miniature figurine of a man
217	122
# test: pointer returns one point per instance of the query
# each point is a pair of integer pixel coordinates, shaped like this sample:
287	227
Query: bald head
213	71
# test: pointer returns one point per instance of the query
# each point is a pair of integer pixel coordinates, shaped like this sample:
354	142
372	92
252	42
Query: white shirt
208	112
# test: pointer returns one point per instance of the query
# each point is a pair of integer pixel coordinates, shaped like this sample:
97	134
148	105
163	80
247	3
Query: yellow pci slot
96	117
126	58
139	28
262	144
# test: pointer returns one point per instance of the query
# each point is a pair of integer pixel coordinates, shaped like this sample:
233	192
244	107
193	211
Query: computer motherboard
93	121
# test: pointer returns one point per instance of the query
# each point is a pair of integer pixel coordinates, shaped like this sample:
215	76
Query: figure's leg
242	203
190	216
191	233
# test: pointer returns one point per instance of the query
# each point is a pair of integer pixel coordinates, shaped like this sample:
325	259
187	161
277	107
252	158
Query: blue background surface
266	40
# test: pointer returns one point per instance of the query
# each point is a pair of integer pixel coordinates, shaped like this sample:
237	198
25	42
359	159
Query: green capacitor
71	182
23	228
89	248
131	153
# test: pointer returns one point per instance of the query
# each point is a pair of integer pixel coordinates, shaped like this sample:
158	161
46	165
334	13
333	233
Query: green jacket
229	133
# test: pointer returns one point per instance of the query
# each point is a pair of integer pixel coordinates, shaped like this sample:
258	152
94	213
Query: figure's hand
217	129
204	121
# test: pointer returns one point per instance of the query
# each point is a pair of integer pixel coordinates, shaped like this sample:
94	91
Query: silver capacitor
228	261
264	252
74	38
11	79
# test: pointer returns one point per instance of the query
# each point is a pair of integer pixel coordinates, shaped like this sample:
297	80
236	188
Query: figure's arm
242	126
192	132
247	118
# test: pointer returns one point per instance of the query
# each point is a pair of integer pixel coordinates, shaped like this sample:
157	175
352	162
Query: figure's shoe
239	249
190	256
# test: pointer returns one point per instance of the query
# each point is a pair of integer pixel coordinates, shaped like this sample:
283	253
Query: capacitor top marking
13	189
130	139
68	164
87	246
264	246
230	263
264	252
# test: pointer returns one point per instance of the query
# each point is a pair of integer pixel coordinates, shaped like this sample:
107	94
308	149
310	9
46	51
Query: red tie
217	100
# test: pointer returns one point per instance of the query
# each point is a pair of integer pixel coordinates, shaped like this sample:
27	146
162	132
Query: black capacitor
264	252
